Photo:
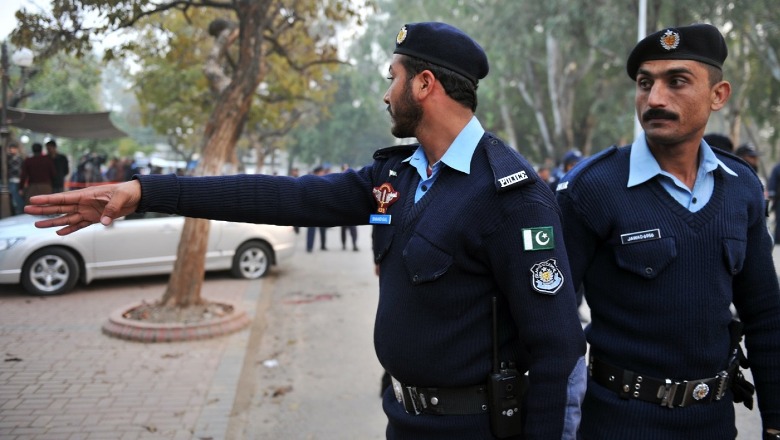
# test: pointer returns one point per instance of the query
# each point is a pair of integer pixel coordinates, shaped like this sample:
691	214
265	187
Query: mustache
657	113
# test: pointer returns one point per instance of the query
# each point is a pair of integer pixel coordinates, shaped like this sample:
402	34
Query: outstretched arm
79	209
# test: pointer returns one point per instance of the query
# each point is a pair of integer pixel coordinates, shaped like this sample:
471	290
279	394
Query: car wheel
50	271
252	260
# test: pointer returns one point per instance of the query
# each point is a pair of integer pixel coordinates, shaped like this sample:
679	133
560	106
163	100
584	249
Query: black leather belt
665	392
441	401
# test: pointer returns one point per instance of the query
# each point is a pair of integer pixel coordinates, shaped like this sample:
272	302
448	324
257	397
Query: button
434	401
649	270
415	278
424	187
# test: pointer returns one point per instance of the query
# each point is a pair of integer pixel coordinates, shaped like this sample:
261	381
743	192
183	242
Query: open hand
79	209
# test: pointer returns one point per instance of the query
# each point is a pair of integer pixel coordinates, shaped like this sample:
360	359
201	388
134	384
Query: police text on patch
512	178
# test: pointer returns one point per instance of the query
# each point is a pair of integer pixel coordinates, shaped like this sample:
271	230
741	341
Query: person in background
351	229
665	234
37	174
311	231
116	170
61	166
15	161
544	173
749	154
773	193
718	140
466	237
571	158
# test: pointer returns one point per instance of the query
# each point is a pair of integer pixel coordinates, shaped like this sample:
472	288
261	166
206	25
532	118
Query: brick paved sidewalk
61	378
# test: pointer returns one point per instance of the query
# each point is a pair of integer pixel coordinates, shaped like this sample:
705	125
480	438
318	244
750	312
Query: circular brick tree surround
137	330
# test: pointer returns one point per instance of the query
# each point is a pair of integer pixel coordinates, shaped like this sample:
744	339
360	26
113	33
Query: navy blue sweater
660	307
442	260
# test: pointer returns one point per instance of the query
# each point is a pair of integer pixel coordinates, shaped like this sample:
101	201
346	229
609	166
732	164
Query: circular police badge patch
546	278
401	35
670	40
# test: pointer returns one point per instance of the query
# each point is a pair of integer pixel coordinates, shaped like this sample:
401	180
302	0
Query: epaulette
385	153
510	170
583	165
733	156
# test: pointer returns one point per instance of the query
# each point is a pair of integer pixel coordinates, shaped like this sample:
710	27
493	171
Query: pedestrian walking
37	174
14	164
349	229
61	166
665	234
475	286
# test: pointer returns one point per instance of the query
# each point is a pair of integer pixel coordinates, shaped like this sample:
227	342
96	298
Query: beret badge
401	35
670	40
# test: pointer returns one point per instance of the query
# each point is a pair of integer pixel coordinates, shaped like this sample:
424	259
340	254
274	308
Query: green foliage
557	69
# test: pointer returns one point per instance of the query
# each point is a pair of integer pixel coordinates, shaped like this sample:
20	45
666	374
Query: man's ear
425	81
720	95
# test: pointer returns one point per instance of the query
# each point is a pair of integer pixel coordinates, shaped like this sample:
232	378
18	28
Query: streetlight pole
5	133
23	58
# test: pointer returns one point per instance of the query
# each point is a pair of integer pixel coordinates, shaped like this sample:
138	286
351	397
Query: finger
58	221
49	209
73	228
55	199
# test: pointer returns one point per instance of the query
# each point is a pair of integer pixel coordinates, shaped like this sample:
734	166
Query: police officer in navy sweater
459	219
665	234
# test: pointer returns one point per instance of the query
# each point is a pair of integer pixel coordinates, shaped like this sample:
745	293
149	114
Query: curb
129	329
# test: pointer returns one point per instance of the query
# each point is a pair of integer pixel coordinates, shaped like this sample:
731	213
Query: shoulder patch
387	152
510	170
546	277
584	164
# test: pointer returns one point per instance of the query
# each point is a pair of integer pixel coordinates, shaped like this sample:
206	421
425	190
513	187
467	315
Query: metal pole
641	33
5	133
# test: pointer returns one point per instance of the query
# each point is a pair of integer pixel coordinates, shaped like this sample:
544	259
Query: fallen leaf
281	391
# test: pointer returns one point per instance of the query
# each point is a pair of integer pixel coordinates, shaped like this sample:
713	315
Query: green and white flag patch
536	239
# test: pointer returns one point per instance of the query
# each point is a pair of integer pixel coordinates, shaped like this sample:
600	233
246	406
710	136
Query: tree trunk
506	117
221	134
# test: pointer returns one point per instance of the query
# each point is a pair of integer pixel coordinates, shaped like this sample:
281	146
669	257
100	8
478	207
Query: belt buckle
406	396
667	393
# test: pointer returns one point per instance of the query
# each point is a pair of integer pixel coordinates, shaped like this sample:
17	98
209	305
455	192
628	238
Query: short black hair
457	86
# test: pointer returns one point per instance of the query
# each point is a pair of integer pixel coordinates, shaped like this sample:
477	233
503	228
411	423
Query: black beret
445	46
698	42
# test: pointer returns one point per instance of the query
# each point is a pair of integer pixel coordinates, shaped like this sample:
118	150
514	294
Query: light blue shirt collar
458	155
644	167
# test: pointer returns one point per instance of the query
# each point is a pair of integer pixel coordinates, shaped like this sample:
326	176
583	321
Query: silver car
136	245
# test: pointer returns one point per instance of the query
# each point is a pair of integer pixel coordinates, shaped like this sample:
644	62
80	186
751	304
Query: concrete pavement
61	378
304	369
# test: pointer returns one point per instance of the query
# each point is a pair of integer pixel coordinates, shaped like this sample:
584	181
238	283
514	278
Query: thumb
122	200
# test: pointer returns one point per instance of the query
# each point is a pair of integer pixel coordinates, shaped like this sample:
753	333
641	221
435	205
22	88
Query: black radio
506	388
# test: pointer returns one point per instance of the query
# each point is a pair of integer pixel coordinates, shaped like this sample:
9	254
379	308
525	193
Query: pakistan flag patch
536	239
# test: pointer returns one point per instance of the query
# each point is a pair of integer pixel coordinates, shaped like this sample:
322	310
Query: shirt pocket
424	261
734	254
648	258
